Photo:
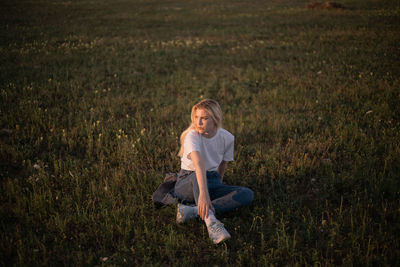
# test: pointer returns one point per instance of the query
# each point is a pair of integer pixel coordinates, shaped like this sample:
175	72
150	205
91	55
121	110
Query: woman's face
204	123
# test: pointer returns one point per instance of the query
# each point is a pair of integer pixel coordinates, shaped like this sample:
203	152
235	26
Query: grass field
94	96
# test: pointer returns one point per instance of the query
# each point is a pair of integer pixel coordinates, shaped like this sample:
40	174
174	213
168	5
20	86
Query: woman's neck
210	134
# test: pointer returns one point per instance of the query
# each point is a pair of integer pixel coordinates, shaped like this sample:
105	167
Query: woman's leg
223	197
226	197
186	187
187	190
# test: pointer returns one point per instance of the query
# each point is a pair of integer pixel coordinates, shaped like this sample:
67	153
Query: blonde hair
214	111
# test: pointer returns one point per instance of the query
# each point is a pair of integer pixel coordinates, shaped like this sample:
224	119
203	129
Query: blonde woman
206	149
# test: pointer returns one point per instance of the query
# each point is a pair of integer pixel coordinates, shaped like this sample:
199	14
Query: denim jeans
223	197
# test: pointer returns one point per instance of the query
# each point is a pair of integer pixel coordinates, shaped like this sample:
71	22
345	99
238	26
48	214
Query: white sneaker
217	232
185	213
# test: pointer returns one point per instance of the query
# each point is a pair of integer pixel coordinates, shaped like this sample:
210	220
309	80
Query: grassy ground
94	95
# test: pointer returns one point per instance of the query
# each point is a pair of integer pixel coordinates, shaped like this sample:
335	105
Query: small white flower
327	160
36	166
104	259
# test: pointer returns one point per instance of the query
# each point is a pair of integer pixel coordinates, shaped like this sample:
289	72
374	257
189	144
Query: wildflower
327	160
36	166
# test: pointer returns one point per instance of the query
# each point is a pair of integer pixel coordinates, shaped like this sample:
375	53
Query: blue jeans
223	197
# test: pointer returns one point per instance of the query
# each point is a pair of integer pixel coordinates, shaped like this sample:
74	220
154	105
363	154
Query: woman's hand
204	205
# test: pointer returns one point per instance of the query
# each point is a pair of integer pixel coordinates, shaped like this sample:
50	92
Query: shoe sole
179	218
221	239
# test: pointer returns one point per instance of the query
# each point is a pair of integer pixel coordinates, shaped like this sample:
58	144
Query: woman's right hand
204	205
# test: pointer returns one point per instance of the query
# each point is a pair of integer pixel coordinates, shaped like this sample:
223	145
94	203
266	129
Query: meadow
94	96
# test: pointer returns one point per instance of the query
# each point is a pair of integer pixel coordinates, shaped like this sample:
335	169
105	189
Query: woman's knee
245	196
249	195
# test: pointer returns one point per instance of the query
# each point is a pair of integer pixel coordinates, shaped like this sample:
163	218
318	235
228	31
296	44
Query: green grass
94	96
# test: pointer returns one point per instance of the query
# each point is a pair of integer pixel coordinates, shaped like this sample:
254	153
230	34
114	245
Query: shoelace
218	227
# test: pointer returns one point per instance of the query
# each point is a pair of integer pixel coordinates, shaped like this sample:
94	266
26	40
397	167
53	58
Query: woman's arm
204	202
222	168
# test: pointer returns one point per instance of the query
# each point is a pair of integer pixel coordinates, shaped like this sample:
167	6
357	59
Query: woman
205	151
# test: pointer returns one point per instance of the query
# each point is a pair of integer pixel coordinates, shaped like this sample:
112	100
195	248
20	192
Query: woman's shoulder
226	134
192	134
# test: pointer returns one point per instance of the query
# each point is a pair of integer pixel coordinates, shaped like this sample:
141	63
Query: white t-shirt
213	150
